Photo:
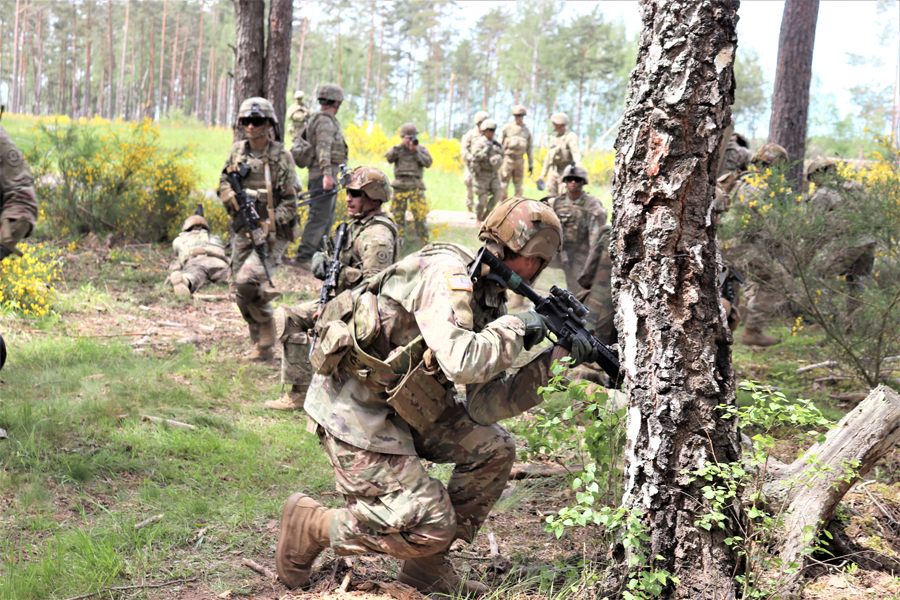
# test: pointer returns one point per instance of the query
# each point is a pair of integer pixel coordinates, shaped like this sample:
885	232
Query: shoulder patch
459	282
381	255
13	158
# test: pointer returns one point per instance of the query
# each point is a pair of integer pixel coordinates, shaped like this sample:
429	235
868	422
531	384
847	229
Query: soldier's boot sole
182	291
435	575
303	535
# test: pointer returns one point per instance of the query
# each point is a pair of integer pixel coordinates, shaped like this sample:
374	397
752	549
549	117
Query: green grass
81	467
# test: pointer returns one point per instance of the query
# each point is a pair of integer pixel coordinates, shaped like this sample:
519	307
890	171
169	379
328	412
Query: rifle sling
270	201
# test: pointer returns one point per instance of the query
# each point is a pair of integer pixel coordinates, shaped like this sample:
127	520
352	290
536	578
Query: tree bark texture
278	57
790	99
249	46
675	344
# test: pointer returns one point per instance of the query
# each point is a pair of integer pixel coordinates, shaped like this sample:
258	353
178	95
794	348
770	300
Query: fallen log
822	365
528	471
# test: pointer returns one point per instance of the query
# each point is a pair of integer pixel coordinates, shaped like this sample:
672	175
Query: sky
843	26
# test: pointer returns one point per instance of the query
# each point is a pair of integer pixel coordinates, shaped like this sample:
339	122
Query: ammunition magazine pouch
421	396
334	342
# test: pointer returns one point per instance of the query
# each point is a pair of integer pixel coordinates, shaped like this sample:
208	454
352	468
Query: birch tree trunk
790	98
675	344
277	65
248	57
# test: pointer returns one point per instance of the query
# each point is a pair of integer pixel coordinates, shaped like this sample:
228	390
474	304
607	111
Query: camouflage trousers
295	368
247	268
201	270
555	185
394	507
489	193
470	189
418	206
572	264
512	169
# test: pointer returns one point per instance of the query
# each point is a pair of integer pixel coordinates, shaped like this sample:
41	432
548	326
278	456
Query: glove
582	352
319	266
228	199
535	328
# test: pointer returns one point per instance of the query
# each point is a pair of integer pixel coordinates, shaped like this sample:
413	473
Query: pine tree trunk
197	71
277	66
790	99
39	74
110	107
369	70
15	63
675	344
380	60
162	61
87	65
73	111
170	100
450	106
249	45
120	93
303	25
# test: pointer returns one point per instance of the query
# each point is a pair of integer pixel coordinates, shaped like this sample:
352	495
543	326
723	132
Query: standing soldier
18	201
516	141
427	326
410	159
200	258
582	217
329	152
562	151
486	157
465	152
271	185
369	247
297	114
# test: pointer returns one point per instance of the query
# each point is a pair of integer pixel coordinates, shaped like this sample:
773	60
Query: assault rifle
332	273
310	196
564	313
247	217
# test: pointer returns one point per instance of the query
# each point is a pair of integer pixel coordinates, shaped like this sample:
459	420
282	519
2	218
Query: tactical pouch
335	340
421	396
366	321
515	145
336	310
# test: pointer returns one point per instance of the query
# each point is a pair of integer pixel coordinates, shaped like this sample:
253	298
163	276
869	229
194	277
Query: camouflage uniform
324	133
409	189
737	158
201	257
597	297
582	219
516	142
562	151
465	152
486	158
248	274
18	201
435	327
298	117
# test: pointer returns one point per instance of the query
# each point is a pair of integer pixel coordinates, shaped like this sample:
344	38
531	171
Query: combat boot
180	284
755	337
293	399
303	536
435	575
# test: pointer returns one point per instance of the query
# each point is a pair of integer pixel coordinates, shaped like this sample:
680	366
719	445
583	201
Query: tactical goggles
255	121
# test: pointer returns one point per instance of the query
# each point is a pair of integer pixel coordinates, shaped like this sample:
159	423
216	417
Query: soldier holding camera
410	159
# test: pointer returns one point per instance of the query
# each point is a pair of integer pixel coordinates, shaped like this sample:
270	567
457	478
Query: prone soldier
270	185
297	114
200	258
486	157
382	401
410	159
370	246
465	152
562	151
18	201
515	138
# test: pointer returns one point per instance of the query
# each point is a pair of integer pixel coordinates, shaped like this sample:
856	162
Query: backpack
301	149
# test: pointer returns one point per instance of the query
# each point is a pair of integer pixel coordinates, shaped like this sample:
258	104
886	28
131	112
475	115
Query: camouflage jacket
17	197
369	248
324	133
298	117
409	166
598	296
516	142
284	181
562	150
582	219
487	156
466	327
465	144
826	202
734	163
190	244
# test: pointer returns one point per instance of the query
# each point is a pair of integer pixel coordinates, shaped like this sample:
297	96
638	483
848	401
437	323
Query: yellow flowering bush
27	282
367	141
600	167
95	179
445	153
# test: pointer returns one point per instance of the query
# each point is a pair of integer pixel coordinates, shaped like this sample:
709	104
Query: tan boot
755	337
260	354
303	536
435	575
180	284
293	399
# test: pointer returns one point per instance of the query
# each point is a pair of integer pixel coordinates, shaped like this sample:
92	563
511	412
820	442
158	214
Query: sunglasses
355	193
255	121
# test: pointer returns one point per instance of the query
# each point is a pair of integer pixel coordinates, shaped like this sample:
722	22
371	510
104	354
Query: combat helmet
480	116
819	166
371	181
330	91
527	227
769	154
299	95
575	171
488	124
740	140
258	107
519	111
194	221
408	129
559	119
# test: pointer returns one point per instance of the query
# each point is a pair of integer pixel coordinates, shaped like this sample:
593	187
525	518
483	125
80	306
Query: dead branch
146	522
255	566
528	471
134	587
822	365
168	422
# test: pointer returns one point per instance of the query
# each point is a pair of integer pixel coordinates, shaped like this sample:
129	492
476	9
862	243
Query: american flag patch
459	282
